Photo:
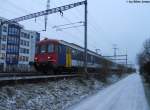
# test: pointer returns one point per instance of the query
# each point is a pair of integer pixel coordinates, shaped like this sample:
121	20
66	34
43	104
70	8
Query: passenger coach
58	55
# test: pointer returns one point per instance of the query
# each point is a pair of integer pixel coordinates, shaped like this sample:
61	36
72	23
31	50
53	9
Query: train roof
46	41
72	45
75	46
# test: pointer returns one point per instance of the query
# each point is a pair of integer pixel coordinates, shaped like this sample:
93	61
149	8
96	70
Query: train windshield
45	48
50	48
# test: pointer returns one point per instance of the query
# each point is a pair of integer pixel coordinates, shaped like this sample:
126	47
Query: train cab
46	54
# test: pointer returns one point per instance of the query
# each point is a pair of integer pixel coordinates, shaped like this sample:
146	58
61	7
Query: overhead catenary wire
58	26
21	9
79	31
70	22
78	14
93	25
60	29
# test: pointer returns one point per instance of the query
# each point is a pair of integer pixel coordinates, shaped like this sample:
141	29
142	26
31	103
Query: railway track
33	76
13	74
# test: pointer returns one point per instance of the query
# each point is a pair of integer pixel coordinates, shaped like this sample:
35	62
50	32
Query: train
54	56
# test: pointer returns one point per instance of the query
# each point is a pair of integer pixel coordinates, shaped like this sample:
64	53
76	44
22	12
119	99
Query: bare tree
144	60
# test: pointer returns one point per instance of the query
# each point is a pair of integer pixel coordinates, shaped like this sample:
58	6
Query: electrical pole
1	25
98	51
126	58
85	37
115	52
46	16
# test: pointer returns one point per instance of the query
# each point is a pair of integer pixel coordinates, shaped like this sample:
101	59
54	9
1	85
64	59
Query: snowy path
127	94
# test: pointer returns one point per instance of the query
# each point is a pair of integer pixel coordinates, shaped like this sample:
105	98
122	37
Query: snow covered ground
51	95
127	94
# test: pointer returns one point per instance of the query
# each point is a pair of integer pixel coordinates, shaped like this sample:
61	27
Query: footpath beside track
127	94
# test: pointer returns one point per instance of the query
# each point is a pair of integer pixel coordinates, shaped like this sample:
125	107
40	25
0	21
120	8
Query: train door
62	55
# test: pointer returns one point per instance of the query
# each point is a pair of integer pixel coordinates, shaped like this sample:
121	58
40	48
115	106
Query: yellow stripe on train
68	58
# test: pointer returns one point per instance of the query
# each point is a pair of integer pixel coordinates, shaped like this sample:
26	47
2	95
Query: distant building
17	46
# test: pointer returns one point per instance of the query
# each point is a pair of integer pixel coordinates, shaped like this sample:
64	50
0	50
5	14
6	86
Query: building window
12	58
3	38
24	43
3	47
22	34
3	56
27	51
23	50
20	58
26	59
28	36
4	29
27	43
21	42
13	31
25	35
23	58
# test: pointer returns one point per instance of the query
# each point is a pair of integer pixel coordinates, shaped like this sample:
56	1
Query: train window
80	55
50	48
56	48
92	59
59	49
43	49
74	54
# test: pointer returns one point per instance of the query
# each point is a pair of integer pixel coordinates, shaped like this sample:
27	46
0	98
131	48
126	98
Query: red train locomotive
46	56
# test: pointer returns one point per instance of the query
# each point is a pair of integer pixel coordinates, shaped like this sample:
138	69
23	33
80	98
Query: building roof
5	19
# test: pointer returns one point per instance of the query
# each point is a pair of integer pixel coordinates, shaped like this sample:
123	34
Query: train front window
50	48
43	49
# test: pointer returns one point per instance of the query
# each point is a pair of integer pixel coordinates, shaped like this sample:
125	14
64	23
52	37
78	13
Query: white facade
3	44
27	48
17	46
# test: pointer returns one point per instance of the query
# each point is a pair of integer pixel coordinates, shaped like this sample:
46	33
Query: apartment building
17	46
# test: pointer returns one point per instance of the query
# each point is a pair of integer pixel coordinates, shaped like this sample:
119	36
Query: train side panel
62	55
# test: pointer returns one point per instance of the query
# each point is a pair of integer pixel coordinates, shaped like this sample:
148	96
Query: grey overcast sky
109	22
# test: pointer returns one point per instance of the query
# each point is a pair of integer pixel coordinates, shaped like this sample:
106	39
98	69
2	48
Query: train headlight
49	58
35	58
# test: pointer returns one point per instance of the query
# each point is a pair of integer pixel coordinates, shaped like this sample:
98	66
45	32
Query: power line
60	29
89	24
91	44
67	24
68	20
50	11
22	10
